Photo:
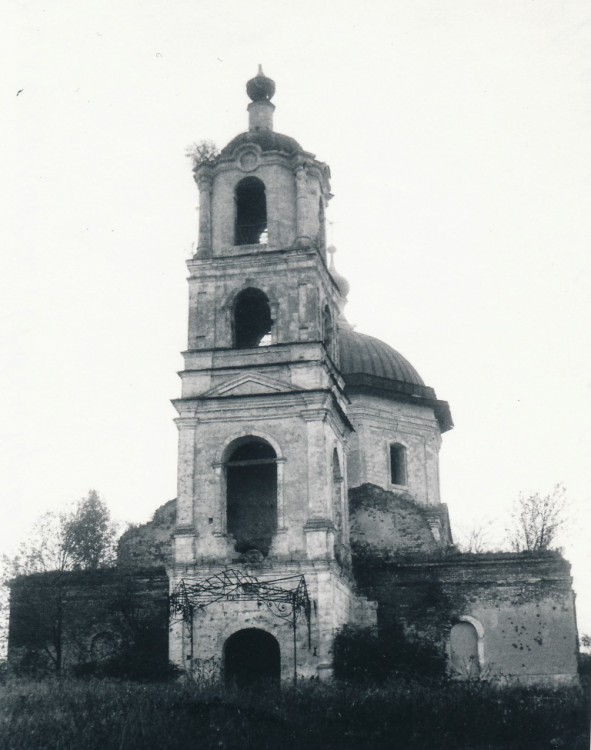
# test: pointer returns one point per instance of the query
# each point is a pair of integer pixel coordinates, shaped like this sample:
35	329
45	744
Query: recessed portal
251	658
251	481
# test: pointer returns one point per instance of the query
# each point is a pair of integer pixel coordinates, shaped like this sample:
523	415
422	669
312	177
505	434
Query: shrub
361	655
135	667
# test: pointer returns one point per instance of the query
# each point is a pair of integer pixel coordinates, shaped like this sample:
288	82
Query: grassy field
107	714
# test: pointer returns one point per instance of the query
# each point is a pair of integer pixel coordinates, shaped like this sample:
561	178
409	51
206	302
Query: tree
536	520
203	152
476	539
82	538
91	534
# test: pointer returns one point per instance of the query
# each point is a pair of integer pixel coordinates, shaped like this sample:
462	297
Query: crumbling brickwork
522	606
392	523
59	621
150	544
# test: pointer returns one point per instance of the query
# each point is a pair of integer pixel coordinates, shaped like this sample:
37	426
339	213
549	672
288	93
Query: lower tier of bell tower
261	619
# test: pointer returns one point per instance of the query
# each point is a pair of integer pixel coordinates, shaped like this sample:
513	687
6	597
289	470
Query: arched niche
103	646
466	647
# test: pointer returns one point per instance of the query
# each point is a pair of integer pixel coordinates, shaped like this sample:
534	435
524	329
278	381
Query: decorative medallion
248	161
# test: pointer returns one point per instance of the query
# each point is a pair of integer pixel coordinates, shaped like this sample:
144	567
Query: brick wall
53	613
523	604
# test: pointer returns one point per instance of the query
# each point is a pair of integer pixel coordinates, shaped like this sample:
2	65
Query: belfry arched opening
251	495
252	319
251	212
252	657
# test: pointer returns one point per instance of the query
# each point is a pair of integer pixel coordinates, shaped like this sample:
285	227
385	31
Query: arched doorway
251	501
251	657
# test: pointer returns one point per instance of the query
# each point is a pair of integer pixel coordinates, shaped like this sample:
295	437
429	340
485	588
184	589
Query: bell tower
262	415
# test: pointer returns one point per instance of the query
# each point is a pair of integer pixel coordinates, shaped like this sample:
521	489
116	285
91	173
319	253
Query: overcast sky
458	135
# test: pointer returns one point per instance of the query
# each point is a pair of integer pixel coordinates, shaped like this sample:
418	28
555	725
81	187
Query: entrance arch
251	657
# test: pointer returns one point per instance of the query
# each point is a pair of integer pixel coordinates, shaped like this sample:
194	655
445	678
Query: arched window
327	329
251	212
252	319
251	500
465	648
398	464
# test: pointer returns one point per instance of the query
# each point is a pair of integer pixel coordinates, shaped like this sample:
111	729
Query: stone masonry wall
88	615
150	544
378	423
307	652
392	523
523	605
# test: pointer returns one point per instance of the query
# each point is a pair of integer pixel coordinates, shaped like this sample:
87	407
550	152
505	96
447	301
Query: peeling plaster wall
524	603
379	422
333	604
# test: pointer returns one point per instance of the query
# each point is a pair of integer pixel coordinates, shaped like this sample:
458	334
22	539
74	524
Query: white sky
458	134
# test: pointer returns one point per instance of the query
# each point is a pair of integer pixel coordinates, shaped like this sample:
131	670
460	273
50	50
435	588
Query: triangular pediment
249	384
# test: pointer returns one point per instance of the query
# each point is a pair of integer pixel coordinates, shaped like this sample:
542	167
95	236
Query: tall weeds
400	714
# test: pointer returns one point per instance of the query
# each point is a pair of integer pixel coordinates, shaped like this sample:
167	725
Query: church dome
365	355
369	365
268	140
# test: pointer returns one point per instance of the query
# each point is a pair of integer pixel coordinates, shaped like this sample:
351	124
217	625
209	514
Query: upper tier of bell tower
262	192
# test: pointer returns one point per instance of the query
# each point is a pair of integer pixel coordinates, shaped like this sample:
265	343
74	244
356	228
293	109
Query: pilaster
204	182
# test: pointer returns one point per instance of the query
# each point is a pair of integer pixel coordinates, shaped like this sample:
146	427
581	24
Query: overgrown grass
106	714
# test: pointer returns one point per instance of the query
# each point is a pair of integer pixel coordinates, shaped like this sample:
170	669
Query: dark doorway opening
251	501
252	658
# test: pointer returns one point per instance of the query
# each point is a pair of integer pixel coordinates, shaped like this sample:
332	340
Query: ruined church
308	465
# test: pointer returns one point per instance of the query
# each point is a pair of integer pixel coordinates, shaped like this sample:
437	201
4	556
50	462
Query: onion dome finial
260	88
338	278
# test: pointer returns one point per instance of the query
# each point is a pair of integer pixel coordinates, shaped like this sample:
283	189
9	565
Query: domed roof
365	355
369	365
268	140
